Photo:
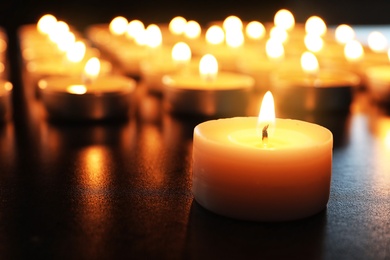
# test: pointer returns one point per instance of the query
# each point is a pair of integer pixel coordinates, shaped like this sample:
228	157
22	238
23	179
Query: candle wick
265	134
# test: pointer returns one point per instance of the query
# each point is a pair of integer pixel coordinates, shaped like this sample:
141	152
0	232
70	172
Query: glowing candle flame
309	63
46	23
153	36
266	118
76	52
177	25
313	43
91	69
377	41
134	29
274	49
208	67
315	26
57	33
344	33
234	38
181	53
353	51
118	25
279	34
192	30
255	30
65	41
284	19
215	35
77	89
232	22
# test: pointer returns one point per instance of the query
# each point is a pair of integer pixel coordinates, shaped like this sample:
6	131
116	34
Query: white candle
94	98
209	92
237	174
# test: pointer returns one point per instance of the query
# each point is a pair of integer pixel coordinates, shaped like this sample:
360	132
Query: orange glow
208	67
279	34
134	29
92	69
234	38
313	43
232	22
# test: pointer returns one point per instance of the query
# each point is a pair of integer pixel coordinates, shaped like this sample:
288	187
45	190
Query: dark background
83	13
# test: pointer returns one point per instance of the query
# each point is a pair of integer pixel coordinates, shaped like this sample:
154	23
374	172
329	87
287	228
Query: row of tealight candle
69	76
284	57
5	84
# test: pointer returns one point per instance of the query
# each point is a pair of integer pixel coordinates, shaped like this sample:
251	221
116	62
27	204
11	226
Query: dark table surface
115	190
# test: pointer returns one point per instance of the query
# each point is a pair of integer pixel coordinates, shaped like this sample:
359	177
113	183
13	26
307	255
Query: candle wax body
328	90
378	83
108	97
236	176
228	94
5	99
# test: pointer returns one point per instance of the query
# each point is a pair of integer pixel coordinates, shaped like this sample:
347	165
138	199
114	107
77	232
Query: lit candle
378	82
209	92
90	97
5	100
154	69
312	88
262	169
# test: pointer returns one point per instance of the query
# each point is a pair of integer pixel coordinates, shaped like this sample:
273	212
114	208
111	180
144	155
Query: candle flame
91	69
77	89
315	26
234	38
177	25
46	23
118	25
134	29
377	41
284	19
353	51
153	36
192	29
181	53
344	33
309	63
266	118
279	34
215	35
274	49
255	30
76	52
208	67
313	43
232	22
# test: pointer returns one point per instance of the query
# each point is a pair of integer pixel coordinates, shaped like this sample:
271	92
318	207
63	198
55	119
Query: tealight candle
5	99
262	169
94	98
378	83
312	89
209	92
